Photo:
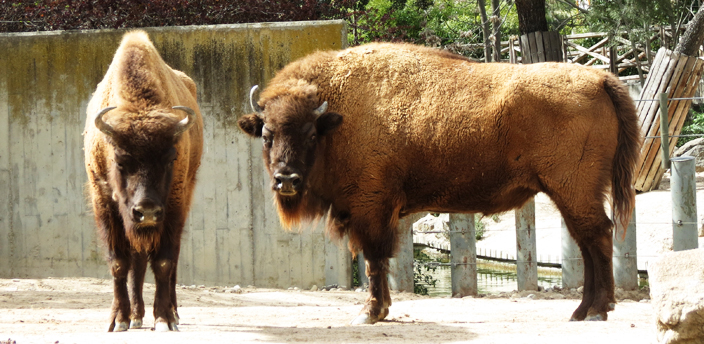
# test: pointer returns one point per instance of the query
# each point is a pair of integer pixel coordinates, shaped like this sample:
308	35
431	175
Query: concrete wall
233	235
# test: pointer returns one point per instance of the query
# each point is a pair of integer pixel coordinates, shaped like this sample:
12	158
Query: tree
485	30
496	28
693	37
531	16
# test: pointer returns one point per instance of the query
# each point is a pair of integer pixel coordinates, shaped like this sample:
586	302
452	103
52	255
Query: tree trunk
496	23
693	37
531	16
485	30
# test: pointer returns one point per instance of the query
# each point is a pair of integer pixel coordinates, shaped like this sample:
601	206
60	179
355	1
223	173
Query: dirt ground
75	310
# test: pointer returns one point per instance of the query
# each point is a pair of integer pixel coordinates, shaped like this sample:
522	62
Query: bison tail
627	152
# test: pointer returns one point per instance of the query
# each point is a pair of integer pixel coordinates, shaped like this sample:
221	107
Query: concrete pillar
526	253
572	262
464	255
625	255
361	269
401	267
684	204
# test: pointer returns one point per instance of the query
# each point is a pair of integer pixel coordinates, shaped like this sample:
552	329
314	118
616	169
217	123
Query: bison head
292	125
144	148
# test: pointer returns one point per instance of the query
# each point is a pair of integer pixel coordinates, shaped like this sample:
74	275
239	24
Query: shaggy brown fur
142	159
425	130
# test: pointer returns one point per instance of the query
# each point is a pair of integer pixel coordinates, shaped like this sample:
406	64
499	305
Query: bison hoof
362	319
136	323
161	327
597	317
164	327
120	327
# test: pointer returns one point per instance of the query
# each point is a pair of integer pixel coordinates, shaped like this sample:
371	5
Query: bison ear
327	123
251	124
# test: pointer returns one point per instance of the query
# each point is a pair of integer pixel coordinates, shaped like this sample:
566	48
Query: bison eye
267	140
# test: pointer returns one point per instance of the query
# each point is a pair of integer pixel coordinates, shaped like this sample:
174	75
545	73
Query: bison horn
254	104
101	125
321	110
187	122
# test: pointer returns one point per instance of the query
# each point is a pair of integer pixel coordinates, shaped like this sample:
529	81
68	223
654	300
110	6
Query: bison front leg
164	311
120	314
135	283
377	305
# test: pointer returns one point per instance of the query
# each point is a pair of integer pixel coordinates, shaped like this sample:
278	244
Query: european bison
374	133
143	142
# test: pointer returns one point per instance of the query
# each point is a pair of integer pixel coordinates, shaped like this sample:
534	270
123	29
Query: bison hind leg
592	232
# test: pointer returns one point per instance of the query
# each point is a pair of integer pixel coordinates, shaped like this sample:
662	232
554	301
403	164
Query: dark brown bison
373	133
143	142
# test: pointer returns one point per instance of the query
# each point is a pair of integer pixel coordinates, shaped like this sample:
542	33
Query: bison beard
425	130
294	210
144	238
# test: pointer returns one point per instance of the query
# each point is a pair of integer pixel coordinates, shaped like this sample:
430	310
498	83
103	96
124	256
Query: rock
677	294
580	290
693	148
314	288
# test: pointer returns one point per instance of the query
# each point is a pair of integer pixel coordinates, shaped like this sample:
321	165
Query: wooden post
535	47
541	47
572	262
464	255
684	204
624	259
526	265
401	267
613	58
664	139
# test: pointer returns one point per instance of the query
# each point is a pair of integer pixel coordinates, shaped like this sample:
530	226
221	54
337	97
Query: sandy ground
76	310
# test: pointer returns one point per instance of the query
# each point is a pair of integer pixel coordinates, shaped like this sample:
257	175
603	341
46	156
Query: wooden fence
582	49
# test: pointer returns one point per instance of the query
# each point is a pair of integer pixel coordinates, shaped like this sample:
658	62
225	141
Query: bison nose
147	213
287	184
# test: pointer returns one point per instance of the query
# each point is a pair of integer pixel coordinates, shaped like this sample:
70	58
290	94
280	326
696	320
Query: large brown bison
373	133
143	142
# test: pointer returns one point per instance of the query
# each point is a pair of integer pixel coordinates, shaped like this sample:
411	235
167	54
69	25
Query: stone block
677	293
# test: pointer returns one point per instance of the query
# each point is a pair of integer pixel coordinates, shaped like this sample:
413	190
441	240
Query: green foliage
356	281
421	273
480	227
634	16
693	125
